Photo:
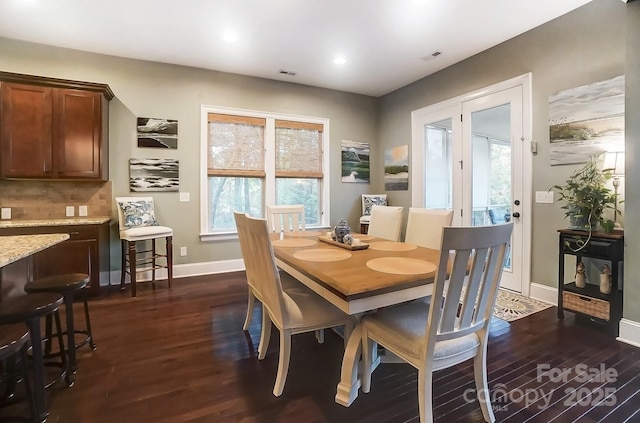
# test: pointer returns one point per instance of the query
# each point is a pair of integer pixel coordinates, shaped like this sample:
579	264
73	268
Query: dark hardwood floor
181	356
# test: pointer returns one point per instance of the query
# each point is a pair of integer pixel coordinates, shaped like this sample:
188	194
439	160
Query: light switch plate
82	210
6	212
545	197
184	197
70	211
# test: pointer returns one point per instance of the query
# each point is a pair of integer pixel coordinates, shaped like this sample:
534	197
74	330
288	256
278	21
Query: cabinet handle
74	233
584	298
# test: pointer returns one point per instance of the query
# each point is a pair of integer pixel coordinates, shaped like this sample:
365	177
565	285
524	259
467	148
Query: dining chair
386	222
291	312
285	218
137	222
280	218
432	337
424	226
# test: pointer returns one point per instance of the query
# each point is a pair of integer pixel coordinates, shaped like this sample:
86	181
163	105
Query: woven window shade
298	149
236	146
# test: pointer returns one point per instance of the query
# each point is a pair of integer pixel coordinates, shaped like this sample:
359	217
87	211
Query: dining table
357	279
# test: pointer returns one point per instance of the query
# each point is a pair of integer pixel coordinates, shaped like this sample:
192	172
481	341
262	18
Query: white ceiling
383	41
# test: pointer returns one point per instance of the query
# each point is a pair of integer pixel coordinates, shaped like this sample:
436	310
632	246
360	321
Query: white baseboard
186	270
544	293
629	332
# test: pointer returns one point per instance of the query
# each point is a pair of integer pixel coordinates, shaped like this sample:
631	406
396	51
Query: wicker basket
587	305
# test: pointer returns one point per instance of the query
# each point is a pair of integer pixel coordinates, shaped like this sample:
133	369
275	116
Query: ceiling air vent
286	72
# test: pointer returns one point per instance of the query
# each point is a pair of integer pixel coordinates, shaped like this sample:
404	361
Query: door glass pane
491	167
438	171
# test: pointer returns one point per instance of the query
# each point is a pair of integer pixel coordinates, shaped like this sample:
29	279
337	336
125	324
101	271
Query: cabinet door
77	134
25	132
72	256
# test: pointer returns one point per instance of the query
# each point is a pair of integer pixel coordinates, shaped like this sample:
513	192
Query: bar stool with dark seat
29	309
67	285
14	340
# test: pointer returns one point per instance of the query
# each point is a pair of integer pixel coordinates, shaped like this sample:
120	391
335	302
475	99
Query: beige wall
632	193
149	89
581	47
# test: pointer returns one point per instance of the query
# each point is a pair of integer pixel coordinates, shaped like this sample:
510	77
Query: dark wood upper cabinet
53	128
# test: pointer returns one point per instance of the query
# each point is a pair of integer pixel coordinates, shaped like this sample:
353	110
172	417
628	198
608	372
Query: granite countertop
14	248
54	222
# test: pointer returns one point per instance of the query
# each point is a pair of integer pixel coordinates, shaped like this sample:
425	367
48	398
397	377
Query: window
253	159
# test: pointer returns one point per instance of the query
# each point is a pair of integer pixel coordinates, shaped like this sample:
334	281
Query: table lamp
614	164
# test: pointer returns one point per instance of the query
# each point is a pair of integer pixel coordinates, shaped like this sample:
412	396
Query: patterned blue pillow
371	200
138	213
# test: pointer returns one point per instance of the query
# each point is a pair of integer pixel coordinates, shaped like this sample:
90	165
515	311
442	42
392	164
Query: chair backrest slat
470	268
286	218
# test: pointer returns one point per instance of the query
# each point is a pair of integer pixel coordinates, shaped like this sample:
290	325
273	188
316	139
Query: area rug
511	306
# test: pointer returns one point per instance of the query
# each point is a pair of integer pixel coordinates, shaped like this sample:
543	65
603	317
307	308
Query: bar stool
13	343
29	309
67	285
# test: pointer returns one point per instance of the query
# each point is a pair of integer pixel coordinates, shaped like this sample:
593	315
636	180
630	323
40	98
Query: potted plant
586	197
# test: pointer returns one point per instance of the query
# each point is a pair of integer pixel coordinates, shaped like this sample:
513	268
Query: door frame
434	111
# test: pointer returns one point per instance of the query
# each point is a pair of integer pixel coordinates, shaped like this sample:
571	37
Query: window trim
270	176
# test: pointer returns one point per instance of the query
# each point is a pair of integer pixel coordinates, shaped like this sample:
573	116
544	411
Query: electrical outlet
82	211
6	212
185	197
183	251
71	211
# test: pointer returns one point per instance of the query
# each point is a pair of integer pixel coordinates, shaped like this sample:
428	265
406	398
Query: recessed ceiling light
340	60
230	37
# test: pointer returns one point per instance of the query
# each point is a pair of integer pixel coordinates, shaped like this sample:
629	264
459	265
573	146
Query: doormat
511	306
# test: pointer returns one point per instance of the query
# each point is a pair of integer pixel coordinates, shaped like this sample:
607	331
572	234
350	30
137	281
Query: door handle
515	214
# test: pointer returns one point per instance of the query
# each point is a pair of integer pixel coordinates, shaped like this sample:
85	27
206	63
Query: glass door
469	156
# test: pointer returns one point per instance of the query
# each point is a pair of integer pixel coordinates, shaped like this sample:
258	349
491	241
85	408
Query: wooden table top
350	278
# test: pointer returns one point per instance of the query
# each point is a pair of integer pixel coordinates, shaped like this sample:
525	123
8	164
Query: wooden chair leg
153	263
169	260
265	334
132	266
123	247
251	302
283	362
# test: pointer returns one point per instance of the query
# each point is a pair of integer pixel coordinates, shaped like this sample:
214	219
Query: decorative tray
362	245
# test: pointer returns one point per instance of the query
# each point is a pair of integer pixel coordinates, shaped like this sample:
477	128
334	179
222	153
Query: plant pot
582	223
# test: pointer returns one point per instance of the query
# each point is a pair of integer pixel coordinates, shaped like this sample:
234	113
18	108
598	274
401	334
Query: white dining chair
386	222
424	226
434	338
291	312
285	218
280	219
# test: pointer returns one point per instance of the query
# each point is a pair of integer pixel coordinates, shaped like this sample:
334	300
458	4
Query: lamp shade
614	163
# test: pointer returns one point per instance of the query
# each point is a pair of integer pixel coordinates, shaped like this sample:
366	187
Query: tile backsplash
49	199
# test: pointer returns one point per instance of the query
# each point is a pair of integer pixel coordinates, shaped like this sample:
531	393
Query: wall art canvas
355	161
157	133
586	121
396	168
154	175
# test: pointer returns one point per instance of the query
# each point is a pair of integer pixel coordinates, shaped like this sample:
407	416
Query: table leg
350	379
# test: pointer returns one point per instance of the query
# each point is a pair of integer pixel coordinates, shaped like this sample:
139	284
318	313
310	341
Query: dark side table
605	309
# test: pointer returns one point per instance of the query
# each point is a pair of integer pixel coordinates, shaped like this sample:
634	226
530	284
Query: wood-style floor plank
181	356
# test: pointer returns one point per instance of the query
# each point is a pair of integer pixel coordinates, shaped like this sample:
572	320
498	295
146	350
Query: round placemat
391	246
322	255
302	233
293	242
363	237
401	265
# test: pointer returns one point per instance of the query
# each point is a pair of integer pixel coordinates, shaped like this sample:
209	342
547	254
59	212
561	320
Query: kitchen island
15	259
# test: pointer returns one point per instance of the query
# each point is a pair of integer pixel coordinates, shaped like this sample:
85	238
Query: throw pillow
371	200
138	213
